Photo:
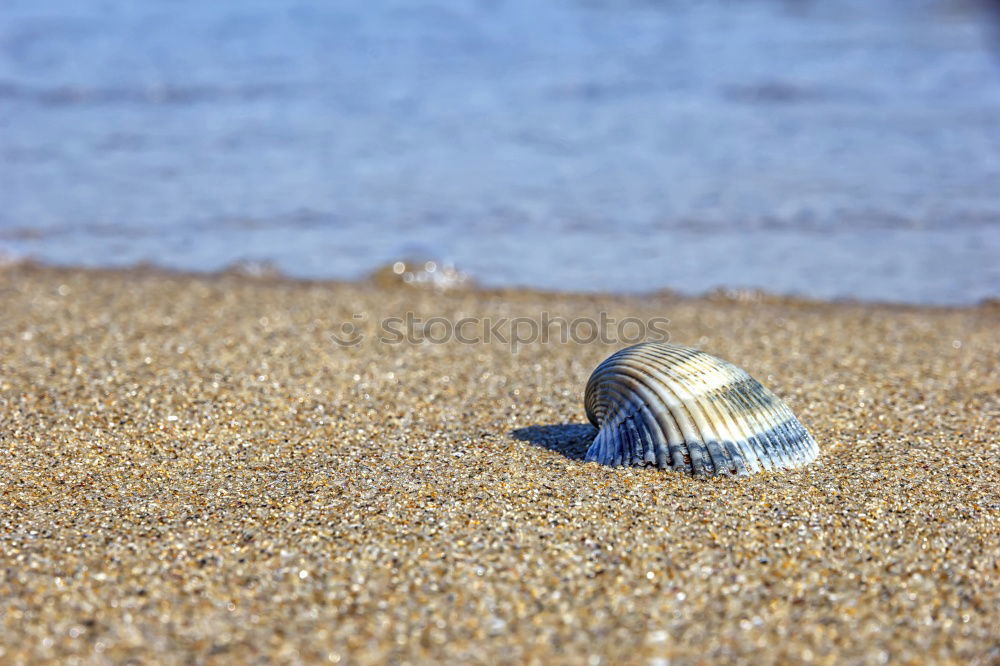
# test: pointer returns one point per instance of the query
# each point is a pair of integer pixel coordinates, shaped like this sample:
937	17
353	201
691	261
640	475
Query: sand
194	472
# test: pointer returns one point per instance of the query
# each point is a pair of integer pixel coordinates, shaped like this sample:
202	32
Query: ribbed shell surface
664	405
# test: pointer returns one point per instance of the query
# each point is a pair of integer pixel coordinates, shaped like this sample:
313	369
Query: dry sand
193	472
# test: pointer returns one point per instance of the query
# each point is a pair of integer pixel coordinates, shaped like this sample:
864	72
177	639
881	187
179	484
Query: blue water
828	149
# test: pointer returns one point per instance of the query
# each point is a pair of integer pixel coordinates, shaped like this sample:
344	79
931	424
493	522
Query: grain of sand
194	472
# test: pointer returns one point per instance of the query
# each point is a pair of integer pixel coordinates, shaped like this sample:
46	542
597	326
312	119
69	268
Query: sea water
827	149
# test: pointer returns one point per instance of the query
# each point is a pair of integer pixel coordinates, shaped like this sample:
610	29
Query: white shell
664	405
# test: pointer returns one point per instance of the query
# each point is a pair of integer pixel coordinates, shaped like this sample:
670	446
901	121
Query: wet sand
194	472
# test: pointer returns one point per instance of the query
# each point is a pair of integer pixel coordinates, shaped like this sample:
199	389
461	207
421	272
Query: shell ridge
661	424
706	456
624	449
792	442
778	434
800	443
709	435
759	404
734	436
789	441
638	450
810	443
747	398
779	415
739	437
612	447
594	451
598	451
739	459
807	440
648	448
699	454
633	440
627	450
689	452
615	443
631	449
763	424
720	400
758	446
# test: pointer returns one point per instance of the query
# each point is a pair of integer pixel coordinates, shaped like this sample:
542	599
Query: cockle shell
664	405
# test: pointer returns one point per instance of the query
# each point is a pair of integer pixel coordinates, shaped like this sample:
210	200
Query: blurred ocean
828	149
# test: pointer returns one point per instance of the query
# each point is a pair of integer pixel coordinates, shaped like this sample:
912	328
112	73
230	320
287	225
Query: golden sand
194	472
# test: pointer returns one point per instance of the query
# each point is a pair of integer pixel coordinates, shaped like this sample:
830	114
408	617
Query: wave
160	94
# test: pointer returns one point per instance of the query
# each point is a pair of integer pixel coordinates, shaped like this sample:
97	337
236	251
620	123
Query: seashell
664	405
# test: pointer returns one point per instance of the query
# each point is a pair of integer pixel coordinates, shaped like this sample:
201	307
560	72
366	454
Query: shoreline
193	470
268	274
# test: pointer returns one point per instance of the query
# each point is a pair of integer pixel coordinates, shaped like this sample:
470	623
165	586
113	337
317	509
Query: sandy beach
194	471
